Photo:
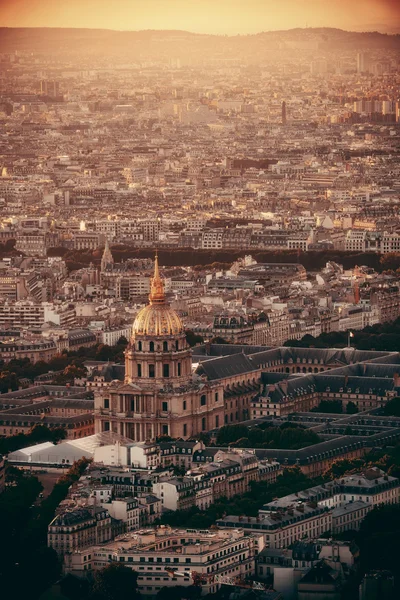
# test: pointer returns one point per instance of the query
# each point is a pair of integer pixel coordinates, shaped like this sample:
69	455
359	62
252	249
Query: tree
192	338
69	374
115	582
342	467
75	588
392	408
218	340
328	406
179	592
351	408
378	539
8	381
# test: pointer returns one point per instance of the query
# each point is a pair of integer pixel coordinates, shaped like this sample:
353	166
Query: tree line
380	337
38	434
27	565
68	365
176	257
288	436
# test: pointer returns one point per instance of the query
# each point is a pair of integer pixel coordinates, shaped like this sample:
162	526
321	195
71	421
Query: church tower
107	259
158	353
160	395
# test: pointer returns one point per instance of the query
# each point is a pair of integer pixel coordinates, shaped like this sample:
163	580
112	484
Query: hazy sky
204	16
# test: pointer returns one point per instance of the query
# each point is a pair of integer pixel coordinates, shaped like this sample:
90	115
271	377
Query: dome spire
157	292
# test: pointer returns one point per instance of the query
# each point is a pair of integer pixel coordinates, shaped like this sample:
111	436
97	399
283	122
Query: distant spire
157	292
107	258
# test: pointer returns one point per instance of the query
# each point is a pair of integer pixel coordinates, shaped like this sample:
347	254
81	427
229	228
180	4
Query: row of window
165	346
151	373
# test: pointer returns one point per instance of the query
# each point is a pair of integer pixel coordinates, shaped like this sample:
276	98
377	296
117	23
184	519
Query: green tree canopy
392	408
115	582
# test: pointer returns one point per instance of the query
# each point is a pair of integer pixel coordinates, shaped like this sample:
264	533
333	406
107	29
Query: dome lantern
157	318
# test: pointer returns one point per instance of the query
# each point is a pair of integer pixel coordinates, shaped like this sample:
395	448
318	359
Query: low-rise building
197	555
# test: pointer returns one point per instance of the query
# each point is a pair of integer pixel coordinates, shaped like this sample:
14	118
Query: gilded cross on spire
157	292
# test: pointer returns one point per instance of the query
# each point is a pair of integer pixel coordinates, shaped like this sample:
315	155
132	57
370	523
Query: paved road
48	481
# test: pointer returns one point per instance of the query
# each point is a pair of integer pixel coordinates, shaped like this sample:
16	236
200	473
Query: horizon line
311	28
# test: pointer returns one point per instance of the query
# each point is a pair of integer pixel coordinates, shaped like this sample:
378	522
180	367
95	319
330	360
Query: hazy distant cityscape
199	314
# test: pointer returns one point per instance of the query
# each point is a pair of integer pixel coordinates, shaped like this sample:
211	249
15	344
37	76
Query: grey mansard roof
226	366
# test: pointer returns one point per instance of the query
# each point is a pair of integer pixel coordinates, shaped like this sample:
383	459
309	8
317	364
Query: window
165	346
184	405
216	421
179	369
106	403
165	429
107	426
165	370
184	429
203	424
139	370
151	346
165	406
177	345
152	371
203	400
140	346
216	396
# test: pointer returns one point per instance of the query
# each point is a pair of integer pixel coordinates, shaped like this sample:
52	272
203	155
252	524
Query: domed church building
160	395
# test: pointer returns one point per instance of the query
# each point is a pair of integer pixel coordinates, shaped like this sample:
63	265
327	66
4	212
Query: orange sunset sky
204	16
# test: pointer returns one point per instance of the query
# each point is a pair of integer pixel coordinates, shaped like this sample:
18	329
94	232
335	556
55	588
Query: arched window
151	346
165	346
203	400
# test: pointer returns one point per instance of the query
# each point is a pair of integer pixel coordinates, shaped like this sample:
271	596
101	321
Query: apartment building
387	299
23	313
79	528
126	510
85	240
282	528
110	337
35	350
197	555
30	314
36	243
348	517
334	506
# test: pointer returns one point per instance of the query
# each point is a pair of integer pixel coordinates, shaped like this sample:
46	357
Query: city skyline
227	17
199	299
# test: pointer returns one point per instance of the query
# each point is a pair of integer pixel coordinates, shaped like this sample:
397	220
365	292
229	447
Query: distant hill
151	42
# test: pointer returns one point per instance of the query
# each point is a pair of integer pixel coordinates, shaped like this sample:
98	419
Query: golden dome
157	318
